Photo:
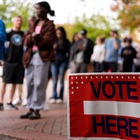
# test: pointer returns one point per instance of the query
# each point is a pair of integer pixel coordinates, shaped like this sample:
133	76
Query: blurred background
97	16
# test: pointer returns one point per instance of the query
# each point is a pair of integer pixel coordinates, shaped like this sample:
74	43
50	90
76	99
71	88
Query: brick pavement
52	125
3	137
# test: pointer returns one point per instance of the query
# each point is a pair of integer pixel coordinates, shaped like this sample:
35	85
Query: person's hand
35	35
55	46
1	63
81	46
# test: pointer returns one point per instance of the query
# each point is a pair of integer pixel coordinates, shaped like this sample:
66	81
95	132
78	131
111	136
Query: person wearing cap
112	46
39	42
81	53
128	54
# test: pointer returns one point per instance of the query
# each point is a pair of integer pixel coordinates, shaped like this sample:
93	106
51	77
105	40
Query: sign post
104	106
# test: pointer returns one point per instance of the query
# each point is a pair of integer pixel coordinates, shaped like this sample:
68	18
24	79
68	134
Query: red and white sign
104	106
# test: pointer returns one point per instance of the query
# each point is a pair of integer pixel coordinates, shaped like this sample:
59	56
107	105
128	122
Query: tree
96	25
128	1
130	17
11	8
128	13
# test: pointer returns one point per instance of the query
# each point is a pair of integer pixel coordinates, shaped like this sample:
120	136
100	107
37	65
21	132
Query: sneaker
46	107
52	101
26	116
59	101
34	116
10	106
1	107
24	103
17	101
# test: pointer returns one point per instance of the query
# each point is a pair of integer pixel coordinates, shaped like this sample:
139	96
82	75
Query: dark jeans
135	68
58	70
127	66
112	66
97	67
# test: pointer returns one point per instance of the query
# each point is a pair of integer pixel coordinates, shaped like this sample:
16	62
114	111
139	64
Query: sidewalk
52	125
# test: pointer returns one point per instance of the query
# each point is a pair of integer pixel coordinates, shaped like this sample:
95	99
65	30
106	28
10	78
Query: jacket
86	53
62	52
44	42
2	39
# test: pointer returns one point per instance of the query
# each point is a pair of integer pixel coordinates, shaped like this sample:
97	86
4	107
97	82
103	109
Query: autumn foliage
128	13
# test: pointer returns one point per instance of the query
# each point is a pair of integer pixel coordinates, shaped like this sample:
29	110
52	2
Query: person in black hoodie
60	63
81	53
128	54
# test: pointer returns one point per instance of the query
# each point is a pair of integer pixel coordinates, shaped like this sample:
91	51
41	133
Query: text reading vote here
111	125
116	88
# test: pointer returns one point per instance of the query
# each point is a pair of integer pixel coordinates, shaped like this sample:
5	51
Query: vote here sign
104	106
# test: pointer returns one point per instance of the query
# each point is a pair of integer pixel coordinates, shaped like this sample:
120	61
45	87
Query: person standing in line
98	54
112	46
136	61
136	64
120	59
60	64
13	71
2	40
75	40
128	54
81	53
18	100
39	42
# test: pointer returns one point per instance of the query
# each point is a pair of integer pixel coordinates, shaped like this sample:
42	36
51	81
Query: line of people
114	55
43	52
107	55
